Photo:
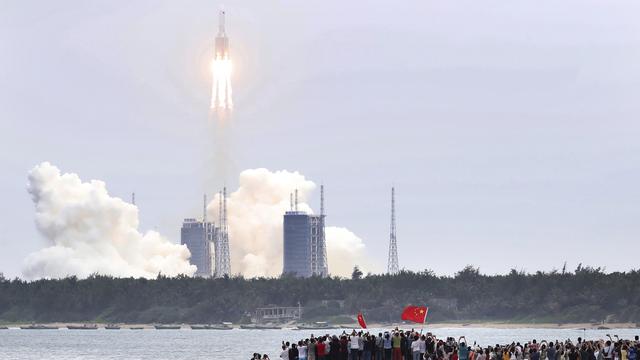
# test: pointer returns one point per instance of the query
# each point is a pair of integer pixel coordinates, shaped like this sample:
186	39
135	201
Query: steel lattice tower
223	261
325	262
392	265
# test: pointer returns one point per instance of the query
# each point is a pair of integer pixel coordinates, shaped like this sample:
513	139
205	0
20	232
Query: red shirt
320	348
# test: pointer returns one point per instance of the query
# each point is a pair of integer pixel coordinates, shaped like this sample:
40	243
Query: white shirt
355	342
415	346
284	354
302	351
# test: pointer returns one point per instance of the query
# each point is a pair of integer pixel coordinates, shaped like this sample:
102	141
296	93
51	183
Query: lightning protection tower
392	264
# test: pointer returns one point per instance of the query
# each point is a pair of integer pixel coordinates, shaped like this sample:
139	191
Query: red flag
361	321
417	314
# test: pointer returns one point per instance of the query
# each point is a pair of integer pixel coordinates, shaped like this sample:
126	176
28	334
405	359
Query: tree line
587	294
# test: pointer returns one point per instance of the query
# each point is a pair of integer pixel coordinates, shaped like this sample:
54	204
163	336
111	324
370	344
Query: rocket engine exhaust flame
221	93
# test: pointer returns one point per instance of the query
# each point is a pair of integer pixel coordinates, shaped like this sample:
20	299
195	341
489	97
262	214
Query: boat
136	328
38	327
4	328
112	327
320	325
83	327
260	327
168	327
211	327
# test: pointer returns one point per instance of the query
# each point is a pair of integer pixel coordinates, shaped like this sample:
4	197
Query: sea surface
224	344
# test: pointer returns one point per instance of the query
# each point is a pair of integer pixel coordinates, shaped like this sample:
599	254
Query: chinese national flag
361	321
417	314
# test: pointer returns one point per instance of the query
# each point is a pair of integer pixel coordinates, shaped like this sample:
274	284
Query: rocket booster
222	41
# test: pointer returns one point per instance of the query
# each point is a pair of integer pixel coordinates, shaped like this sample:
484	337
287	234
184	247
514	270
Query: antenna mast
392	265
321	200
204	209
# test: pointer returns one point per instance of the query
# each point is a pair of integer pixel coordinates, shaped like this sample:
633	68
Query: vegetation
585	295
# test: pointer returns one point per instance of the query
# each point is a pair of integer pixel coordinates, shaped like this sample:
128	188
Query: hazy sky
511	129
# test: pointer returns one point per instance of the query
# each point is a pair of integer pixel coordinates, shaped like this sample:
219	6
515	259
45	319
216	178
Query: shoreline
442	325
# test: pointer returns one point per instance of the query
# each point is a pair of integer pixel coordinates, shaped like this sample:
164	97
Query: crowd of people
413	345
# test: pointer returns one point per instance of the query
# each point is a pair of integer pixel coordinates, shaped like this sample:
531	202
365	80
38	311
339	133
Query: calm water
219	344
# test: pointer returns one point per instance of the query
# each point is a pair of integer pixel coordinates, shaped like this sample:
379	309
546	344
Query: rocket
222	41
221	93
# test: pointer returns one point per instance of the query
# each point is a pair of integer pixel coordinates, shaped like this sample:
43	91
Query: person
334	348
265	357
379	347
387	346
534	354
285	352
311	349
608	350
397	346
415	348
354	346
463	352
369	347
633	352
293	352
320	348
302	350
551	352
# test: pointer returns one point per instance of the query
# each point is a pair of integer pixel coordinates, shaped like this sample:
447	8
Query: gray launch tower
304	243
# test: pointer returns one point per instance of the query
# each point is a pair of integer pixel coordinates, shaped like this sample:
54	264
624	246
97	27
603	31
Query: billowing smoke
89	232
255	213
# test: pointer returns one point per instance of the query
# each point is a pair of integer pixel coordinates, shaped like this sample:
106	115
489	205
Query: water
222	344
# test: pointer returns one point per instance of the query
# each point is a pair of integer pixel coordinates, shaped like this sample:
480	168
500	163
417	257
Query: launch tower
222	257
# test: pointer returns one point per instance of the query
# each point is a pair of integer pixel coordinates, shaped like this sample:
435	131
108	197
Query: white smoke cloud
91	232
255	213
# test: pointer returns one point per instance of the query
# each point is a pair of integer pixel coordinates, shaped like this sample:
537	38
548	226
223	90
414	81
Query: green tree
357	273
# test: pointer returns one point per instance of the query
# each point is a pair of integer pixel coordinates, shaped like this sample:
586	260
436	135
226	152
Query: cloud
255	219
88	231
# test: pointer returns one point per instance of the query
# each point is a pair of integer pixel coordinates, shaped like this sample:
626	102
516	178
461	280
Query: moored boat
168	327
320	325
260	327
211	327
38	327
112	327
83	327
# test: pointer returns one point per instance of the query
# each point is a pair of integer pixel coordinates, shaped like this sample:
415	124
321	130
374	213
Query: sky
509	129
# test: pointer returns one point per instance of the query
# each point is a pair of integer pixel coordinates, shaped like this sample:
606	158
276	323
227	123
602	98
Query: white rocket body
221	90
